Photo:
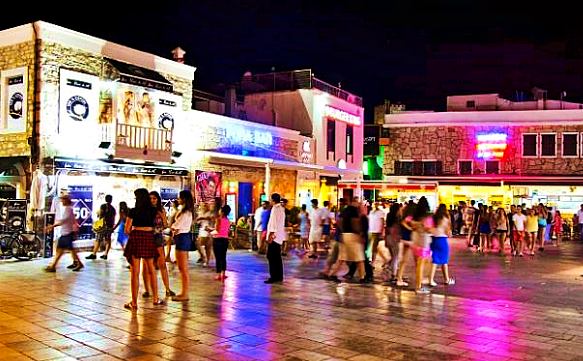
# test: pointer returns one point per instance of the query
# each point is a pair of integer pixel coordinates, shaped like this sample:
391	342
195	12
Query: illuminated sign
239	134
491	145
341	115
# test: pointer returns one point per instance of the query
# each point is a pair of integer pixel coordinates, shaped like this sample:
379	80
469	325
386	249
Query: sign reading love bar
119	168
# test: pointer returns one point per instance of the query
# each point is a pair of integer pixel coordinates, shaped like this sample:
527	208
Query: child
558	227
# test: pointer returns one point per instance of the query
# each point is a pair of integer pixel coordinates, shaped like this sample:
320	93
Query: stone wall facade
452	143
11	57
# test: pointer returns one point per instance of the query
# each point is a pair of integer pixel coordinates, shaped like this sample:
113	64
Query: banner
14	101
208	186
82	198
78	113
168	110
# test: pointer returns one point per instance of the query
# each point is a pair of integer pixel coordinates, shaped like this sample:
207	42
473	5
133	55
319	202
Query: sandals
129	306
179	298
159	303
170	293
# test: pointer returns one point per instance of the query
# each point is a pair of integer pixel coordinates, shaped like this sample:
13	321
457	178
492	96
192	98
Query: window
548	144
430	168
529	145
465	167
492	167
349	139
330	137
403	168
570	145
471	104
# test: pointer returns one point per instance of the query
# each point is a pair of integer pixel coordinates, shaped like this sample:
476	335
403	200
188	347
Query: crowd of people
350	233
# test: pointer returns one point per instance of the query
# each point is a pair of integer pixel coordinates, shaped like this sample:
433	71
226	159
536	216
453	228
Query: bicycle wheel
17	249
5	248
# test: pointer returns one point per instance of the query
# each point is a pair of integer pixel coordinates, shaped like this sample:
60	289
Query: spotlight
176	154
105	145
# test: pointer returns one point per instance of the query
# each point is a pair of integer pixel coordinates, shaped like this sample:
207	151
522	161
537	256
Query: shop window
529	145
548	145
570	145
492	167
349	140
417	168
330	138
465	167
430	168
471	104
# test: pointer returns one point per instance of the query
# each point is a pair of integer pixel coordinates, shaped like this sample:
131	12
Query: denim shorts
183	242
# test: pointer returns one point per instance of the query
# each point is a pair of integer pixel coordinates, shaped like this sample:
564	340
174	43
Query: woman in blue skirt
122	237
440	246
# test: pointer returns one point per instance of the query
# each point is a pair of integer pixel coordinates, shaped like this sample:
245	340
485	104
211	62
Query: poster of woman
208	186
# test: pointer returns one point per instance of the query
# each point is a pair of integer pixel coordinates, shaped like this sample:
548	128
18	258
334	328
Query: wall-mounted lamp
176	154
105	145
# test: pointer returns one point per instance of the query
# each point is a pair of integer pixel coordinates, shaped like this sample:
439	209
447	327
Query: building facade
501	157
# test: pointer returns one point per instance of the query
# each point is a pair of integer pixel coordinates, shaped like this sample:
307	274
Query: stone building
491	150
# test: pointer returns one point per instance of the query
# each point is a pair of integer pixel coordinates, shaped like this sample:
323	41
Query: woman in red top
558	226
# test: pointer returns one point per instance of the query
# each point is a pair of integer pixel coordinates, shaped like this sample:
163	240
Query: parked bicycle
20	245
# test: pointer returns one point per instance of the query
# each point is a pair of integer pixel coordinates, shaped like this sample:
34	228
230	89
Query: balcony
135	142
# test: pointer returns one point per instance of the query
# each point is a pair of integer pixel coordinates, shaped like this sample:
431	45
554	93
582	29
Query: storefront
390	192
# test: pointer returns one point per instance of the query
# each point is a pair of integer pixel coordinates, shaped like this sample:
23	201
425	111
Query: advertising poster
82	198
167	111
14	101
136	106
208	186
168	195
78	113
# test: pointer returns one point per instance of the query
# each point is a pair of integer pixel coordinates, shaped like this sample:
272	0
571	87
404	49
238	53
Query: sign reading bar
119	168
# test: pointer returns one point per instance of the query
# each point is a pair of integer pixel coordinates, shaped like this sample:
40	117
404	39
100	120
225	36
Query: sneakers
104	256
72	266
91	256
78	267
146	294
433	284
450	282
402	284
50	269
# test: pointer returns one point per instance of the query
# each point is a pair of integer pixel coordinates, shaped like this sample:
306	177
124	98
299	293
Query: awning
259	162
493	180
117	167
135	75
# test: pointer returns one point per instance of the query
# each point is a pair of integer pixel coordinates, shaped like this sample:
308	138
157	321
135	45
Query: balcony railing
135	142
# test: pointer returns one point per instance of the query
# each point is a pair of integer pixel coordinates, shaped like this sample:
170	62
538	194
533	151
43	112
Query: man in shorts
519	223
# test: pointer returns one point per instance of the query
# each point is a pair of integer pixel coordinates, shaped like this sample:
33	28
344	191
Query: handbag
99	225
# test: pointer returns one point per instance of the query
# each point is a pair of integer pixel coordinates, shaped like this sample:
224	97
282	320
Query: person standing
440	245
501	228
542	226
204	242
558	227
304	228
392	239
376	219
122	237
264	222
316	228
470	217
257	229
107	212
422	224
140	227
183	240
276	234
68	225
220	234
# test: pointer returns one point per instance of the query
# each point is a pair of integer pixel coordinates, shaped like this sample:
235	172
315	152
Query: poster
136	106
168	195
231	201
208	186
14	101
78	113
82	198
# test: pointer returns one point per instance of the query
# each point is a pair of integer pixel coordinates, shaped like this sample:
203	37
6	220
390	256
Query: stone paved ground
500	309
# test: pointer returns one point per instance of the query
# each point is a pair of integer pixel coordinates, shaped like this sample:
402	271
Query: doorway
245	199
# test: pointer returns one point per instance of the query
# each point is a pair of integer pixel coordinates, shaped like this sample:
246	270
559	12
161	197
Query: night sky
407	51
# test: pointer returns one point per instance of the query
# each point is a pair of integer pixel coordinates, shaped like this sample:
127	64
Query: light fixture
176	154
104	145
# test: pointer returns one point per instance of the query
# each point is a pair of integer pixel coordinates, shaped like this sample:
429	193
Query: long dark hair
123	208
142	199
421	210
440	214
158	205
188	202
393	216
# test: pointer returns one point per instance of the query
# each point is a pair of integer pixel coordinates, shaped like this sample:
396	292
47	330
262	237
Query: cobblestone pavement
501	308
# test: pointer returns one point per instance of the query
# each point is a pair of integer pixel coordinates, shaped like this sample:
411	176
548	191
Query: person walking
276	234
316	228
304	228
107	212
579	215
392	239
183	240
69	227
204	241
440	245
376	220
501	228
519	227
422	224
122	237
220	234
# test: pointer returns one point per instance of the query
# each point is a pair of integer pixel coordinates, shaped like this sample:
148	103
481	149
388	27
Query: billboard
14	101
207	186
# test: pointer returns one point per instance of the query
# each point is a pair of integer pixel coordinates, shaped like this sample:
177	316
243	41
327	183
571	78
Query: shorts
66	241
326	230
485	228
159	239
421	252
183	242
315	235
518	235
501	231
104	236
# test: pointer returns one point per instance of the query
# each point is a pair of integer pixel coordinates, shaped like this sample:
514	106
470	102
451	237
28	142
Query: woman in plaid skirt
140	227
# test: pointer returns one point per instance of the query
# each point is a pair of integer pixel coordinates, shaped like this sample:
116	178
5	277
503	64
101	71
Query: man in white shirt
519	222
276	234
580	225
258	229
376	222
316	228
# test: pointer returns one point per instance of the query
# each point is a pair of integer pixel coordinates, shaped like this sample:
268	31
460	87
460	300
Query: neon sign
341	115
239	134
491	145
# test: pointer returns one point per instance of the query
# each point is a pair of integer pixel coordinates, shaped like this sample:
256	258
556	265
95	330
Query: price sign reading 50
81	213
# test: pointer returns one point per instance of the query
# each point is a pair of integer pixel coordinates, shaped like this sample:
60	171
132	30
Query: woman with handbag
183	240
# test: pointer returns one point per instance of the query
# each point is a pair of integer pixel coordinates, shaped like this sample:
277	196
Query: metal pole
267	180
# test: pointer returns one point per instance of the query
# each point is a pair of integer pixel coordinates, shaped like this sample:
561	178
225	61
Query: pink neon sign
341	115
491	145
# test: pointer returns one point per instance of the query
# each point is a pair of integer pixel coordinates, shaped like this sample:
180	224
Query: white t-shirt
375	221
257	219
202	232
519	220
325	214
316	217
580	216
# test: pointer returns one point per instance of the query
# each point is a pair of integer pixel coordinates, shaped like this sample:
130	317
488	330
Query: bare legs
182	260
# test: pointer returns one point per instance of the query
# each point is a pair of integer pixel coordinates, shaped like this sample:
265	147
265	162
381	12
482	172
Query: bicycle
21	245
